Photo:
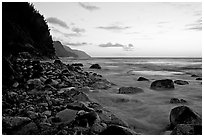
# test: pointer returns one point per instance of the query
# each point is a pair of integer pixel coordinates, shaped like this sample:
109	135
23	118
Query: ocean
147	112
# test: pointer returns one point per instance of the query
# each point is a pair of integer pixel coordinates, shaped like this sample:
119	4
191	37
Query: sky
127	29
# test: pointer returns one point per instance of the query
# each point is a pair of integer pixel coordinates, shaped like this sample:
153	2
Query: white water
148	112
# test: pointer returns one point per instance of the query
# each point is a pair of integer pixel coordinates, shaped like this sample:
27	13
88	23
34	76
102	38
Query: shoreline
62	91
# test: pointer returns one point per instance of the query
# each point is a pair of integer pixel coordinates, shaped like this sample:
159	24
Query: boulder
187	129
176	100
164	84
29	129
181	82
35	83
142	79
95	66
57	61
87	119
184	115
12	122
66	115
194	75
130	90
117	130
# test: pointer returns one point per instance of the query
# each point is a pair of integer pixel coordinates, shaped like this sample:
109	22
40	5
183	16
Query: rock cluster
50	98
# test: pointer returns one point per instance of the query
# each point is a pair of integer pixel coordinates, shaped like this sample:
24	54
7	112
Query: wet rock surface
164	84
181	82
51	99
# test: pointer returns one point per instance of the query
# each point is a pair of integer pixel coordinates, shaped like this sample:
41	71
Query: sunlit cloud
57	21
87	6
125	47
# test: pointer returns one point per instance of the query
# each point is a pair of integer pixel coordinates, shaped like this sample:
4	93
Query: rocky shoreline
51	98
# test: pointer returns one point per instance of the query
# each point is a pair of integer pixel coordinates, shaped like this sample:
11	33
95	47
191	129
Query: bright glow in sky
127	29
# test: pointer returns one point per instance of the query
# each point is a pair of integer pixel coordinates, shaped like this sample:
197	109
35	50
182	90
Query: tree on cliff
23	25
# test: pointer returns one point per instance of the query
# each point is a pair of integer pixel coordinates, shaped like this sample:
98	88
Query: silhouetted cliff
25	34
25	30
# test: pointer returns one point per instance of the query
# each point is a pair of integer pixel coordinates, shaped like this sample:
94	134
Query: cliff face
65	51
25	34
61	51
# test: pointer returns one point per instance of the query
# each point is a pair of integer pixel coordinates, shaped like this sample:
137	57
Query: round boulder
181	82
95	66
164	84
184	115
130	90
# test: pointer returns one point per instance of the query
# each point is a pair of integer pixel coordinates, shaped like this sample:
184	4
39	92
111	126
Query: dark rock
12	122
29	129
184	115
181	82
163	84
142	79
102	84
90	118
98	127
32	114
187	129
78	105
78	64
67	115
95	66
109	118
198	78
194	75
57	61
130	90
117	130
35	83
176	100
13	97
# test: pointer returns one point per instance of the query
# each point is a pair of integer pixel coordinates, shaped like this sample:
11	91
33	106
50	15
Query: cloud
71	34
114	27
57	21
125	47
87	6
78	30
197	25
76	44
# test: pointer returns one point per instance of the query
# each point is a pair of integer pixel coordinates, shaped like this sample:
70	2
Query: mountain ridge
65	51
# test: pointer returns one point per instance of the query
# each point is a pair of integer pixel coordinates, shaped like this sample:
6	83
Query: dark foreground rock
95	66
181	82
130	90
142	79
185	121
187	129
55	101
164	84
